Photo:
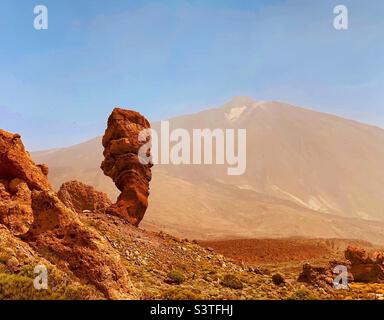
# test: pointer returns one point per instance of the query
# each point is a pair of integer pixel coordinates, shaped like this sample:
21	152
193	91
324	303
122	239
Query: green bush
231	281
303	294
20	287
278	279
175	277
16	287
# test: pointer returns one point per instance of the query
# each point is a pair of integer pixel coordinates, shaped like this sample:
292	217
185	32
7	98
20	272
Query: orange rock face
59	236
18	177
80	197
366	267
15	162
322	275
30	209
121	163
15	206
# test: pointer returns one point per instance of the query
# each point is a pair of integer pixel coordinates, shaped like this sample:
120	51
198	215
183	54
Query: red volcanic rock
322	275
15	162
19	175
15	206
31	209
314	274
44	169
365	267
59	236
79	197
121	163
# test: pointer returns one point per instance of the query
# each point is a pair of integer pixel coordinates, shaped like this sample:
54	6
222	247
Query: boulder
365	267
121	148
322	275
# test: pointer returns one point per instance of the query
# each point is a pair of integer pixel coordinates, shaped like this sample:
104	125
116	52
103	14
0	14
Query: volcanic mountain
308	174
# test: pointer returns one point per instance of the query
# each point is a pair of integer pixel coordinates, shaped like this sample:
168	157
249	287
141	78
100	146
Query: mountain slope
308	174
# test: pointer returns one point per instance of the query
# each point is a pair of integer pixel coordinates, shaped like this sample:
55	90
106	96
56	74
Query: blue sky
171	57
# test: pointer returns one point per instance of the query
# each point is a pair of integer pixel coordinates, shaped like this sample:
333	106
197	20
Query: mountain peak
239	101
235	113
236	107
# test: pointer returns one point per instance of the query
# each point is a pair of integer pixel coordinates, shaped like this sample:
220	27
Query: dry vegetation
164	267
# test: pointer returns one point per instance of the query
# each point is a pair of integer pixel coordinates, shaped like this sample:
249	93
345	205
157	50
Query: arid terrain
308	174
269	251
94	248
164	267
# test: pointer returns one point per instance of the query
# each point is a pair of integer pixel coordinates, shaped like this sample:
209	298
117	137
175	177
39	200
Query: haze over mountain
308	174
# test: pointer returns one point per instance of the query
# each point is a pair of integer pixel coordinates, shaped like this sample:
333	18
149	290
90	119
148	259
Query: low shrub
175	277
303	294
231	281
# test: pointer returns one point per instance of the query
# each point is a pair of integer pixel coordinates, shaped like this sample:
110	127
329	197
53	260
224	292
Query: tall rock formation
121	147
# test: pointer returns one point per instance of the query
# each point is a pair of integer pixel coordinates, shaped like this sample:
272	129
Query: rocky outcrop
121	163
19	175
15	206
30	209
80	197
322	275
18	259
316	275
62	239
366	267
15	162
